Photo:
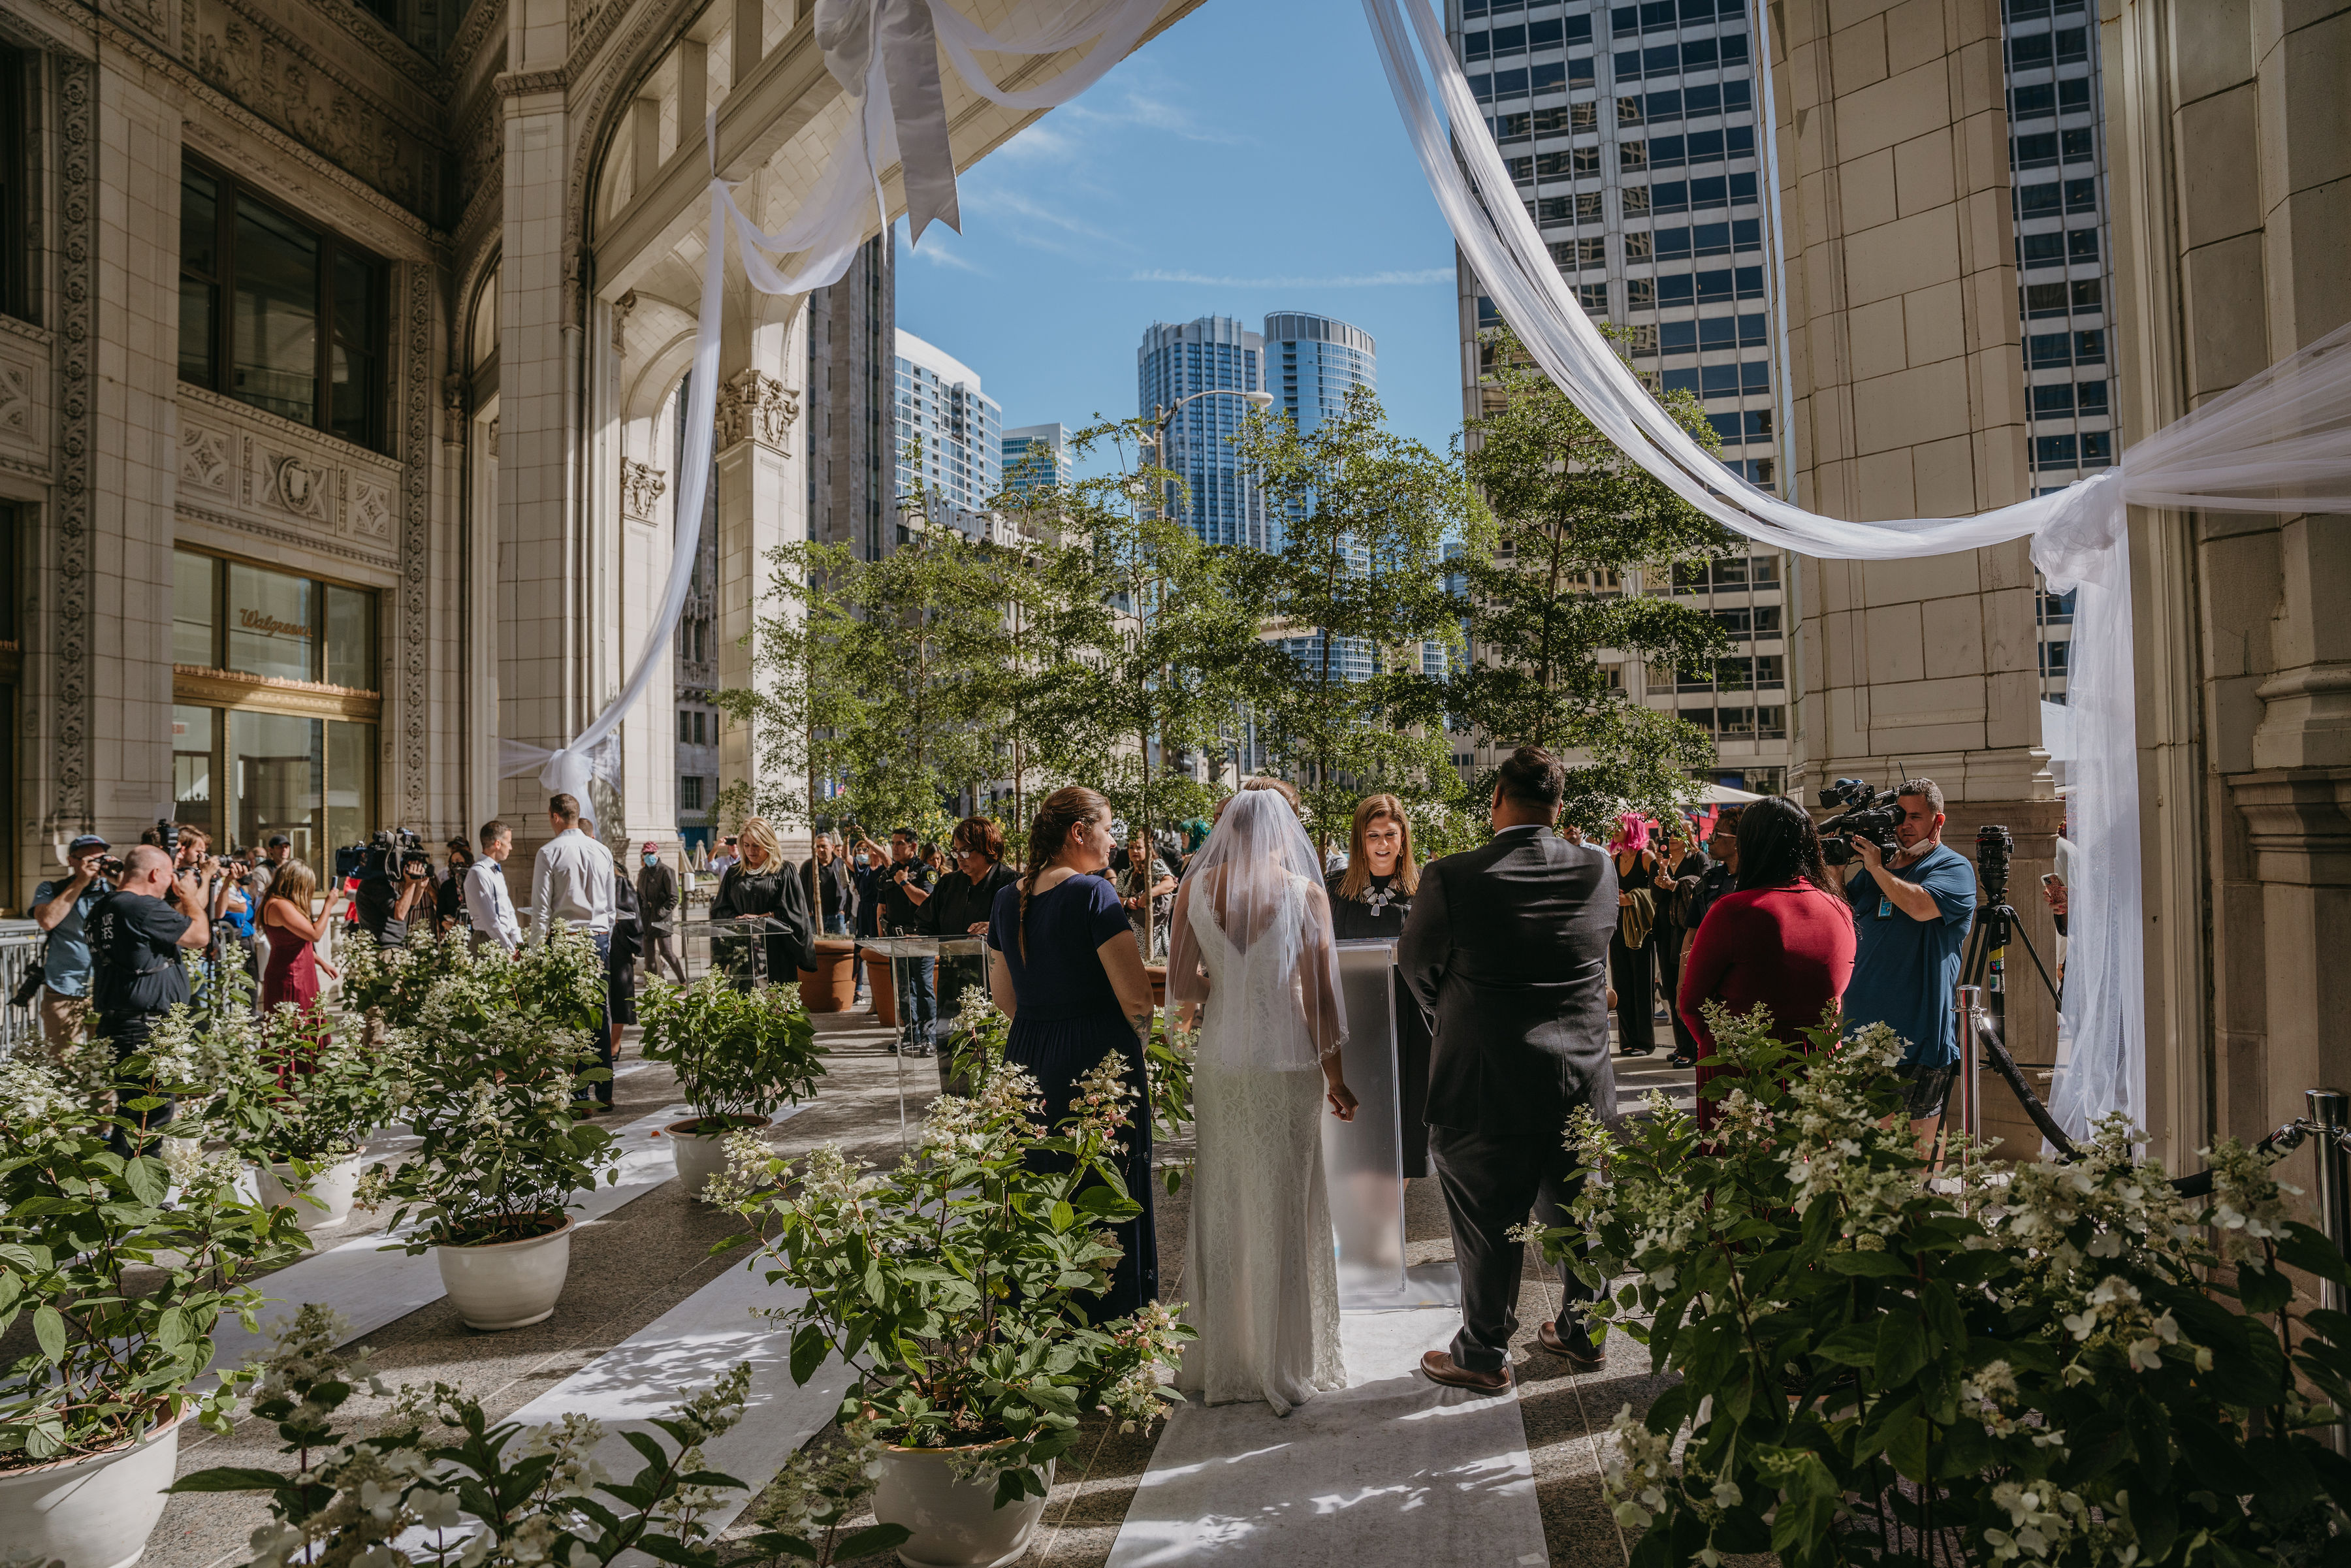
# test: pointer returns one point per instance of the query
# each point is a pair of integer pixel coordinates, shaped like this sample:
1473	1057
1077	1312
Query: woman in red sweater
1784	938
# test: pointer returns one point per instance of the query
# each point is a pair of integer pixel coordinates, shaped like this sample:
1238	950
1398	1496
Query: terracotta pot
507	1284
885	995
956	1524
1158	973
325	1200
700	1150
91	1512
832	985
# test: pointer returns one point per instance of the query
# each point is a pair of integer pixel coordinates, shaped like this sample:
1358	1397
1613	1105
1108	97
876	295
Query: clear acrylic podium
899	950
1362	1160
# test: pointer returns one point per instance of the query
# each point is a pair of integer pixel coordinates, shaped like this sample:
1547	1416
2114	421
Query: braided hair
1062	811
1777	844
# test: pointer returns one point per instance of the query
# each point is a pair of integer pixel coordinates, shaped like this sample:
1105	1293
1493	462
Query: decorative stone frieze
250	469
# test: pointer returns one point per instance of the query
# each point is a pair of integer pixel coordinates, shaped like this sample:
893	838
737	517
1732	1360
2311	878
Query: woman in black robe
1370	900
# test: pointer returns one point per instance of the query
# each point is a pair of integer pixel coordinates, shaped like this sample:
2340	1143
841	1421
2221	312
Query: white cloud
1413	277
938	254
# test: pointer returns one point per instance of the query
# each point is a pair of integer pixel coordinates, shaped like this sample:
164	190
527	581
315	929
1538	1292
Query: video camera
386	857
1995	845
1869	814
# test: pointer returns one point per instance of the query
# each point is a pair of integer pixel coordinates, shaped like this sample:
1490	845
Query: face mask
653	860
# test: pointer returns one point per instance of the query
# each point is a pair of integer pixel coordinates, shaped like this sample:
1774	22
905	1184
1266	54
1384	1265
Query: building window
14	267
689	792
278	314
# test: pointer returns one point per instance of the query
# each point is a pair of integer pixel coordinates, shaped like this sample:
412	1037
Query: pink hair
1632	832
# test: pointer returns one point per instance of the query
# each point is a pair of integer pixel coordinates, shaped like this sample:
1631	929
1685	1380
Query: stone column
122	642
543	694
762	503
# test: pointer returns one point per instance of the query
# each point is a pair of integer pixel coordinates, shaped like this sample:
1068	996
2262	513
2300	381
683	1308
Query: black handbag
34	977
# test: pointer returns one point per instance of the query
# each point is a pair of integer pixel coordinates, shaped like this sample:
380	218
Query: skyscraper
2057	160
1036	455
1224	507
851	331
1631	133
1314	362
959	427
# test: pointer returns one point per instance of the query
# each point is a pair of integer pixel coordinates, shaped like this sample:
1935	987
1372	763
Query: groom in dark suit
1506	950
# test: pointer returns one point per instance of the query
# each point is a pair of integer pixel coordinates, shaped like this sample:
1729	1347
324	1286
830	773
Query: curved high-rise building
1213	352
1314	362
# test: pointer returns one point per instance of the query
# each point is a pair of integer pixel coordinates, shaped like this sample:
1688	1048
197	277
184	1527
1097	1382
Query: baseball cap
87	842
278	841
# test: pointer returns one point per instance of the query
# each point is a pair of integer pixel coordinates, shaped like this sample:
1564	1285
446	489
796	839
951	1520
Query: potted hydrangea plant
297	1093
124	1287
740	1056
954	1284
502	1149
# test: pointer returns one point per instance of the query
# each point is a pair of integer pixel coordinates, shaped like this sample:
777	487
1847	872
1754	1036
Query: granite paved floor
632	1267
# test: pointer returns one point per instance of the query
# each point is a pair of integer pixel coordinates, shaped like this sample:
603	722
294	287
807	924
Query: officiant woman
1072	980
1370	899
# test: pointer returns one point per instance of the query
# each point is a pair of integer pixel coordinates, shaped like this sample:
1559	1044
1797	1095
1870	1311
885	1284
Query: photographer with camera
137	935
1911	910
901	889
62	908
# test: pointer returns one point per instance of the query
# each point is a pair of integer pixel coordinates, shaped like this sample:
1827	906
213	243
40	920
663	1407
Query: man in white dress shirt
572	883
487	904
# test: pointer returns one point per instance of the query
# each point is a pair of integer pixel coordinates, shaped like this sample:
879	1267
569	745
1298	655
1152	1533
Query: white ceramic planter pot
332	1186
956	1524
507	1284
701	1155
95	1512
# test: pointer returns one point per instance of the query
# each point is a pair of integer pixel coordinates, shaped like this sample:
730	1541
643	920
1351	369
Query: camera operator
1911	911
137	935
388	902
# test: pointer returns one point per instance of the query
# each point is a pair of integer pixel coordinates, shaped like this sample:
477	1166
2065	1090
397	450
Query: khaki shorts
65	1020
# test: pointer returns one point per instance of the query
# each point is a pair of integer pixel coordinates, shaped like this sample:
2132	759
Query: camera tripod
1983	1007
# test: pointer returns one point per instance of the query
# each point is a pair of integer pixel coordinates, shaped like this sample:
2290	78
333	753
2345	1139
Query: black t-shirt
900	913
135	942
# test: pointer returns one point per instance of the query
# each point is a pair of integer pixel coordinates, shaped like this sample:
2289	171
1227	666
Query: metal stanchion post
1970	1004
2333	1196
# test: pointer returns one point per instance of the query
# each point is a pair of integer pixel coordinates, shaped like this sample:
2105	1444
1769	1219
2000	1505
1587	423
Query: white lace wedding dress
1260	1283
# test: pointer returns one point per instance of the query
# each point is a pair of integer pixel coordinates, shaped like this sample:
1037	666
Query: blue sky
1248	159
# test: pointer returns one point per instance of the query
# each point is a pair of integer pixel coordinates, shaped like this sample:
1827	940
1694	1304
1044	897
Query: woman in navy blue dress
1070	976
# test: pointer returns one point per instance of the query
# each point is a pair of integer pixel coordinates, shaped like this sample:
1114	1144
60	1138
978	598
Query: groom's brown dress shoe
1579	1352
1441	1367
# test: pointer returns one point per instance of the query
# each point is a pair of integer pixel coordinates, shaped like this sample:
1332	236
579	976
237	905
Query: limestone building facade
340	344
2226	151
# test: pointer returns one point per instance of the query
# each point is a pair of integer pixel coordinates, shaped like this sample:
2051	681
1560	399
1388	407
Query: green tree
1365	515
1572	514
1157	642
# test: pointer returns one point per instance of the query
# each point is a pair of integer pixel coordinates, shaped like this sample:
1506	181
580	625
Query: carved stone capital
2299	819
755	406
452	408
642	485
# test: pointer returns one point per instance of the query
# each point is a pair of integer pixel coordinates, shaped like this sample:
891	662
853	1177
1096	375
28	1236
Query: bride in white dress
1251	939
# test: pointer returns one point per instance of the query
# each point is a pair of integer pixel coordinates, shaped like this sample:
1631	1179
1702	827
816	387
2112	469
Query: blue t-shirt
1904	969
66	965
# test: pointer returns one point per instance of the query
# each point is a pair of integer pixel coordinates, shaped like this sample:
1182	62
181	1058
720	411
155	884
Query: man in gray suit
1506	950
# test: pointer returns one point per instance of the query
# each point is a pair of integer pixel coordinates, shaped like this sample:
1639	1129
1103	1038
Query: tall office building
1226	506
1312	362
1034	456
2058	169
851	332
959	428
1630	132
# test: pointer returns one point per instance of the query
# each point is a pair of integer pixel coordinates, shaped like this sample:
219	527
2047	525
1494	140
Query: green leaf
1887	1265
1064	1215
872	1539
810	1347
1901	1349
228	1478
49	1329
147	1177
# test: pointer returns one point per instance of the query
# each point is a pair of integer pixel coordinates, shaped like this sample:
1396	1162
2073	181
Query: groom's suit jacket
1506	950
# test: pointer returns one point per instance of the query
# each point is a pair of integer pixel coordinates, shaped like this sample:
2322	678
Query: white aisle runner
1392	1468
681	1352
370	1287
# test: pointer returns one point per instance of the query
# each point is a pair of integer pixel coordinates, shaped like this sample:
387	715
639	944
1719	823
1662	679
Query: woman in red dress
293	972
1783	938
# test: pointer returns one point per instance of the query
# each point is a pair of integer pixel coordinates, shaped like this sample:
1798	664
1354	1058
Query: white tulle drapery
884	55
2281	442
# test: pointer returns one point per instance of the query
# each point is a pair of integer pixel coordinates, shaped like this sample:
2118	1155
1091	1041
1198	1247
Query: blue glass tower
1313	362
1176	361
